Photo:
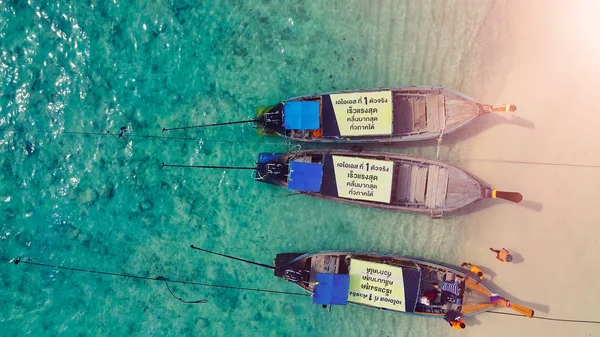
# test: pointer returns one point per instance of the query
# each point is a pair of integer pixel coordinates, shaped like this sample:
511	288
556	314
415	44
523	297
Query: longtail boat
387	282
382	115
373	116
382	180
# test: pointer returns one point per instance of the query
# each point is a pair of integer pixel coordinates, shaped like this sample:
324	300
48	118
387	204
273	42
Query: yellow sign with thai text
376	284
363	179
363	113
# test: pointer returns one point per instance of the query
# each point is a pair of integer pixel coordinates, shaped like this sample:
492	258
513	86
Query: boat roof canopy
301	115
331	289
384	286
357	114
358	178
305	177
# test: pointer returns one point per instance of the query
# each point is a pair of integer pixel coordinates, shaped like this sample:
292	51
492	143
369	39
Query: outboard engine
274	118
274	169
269	170
292	275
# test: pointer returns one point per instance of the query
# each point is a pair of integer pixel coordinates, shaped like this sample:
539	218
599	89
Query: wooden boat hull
410	114
302	268
387	282
415	184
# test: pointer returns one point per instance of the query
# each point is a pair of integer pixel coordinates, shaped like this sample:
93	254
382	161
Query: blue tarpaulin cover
301	115
305	177
332	289
265	157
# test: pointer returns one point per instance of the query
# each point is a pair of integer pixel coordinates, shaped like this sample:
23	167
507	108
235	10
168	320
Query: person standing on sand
473	269
503	255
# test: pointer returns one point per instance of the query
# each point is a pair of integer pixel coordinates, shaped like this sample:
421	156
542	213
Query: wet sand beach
552	59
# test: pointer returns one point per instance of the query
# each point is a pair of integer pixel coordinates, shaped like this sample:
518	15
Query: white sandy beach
553	60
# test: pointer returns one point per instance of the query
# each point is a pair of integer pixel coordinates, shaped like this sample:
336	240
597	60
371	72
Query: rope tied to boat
30	262
546	318
128	133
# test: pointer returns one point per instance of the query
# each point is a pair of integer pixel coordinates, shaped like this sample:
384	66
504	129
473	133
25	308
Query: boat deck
419	112
423	185
324	264
431	276
436	113
410	114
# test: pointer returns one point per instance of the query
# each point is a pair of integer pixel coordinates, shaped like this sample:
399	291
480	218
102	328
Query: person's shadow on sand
517	258
471	321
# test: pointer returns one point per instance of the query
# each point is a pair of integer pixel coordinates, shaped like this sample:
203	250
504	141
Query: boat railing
411	95
412	204
418	132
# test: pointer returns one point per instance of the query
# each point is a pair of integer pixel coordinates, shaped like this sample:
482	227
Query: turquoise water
96	202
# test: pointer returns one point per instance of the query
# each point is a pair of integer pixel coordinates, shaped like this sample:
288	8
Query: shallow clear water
97	202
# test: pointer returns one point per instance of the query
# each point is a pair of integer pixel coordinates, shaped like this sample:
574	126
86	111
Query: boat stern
269	120
291	267
270	168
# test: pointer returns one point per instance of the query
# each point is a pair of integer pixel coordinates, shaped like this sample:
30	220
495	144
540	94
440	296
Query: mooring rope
165	280
526	162
129	134
28	261
546	318
210	125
